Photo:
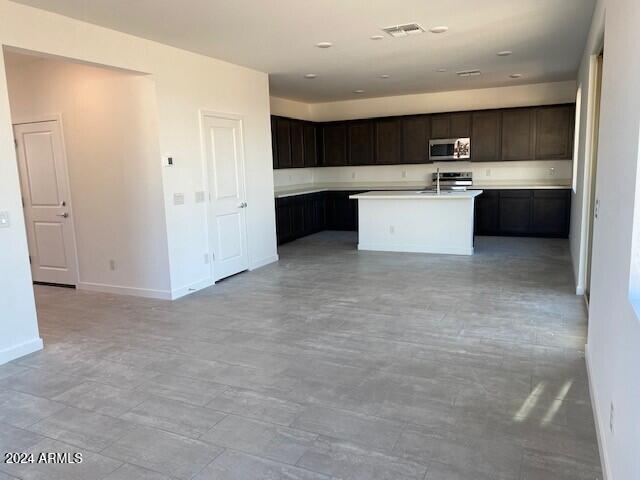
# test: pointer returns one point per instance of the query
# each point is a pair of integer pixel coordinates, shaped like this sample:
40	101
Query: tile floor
329	364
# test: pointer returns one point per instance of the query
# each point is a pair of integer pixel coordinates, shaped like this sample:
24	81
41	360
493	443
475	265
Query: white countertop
416	194
289	191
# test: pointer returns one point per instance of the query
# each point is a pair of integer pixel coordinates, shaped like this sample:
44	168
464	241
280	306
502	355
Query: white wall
460	100
613	348
110	124
501	97
552	172
18	327
185	83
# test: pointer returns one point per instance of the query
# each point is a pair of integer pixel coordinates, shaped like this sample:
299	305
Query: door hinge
30	260
15	143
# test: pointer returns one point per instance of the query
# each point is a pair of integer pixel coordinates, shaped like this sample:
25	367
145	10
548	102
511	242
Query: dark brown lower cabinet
487	206
342	213
526	213
301	215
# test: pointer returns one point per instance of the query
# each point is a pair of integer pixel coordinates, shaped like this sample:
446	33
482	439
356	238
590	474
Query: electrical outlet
112	265
488	172
404	174
353	175
611	418
168	160
392	229
199	196
552	171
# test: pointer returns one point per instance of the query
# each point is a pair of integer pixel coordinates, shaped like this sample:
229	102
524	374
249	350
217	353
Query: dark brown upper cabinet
518	129
274	142
310	140
283	142
415	139
451	125
485	136
297	144
554	132
527	133
334	141
388	141
440	126
460	125
360	141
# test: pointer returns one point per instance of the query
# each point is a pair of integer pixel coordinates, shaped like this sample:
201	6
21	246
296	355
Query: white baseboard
119	290
263	262
188	289
20	350
415	249
597	417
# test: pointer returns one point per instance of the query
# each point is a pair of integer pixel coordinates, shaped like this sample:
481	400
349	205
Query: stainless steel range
458	181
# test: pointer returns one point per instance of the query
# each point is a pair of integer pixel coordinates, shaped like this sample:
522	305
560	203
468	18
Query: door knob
63	215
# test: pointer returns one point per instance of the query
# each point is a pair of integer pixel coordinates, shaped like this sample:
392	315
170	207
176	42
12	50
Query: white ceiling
547	38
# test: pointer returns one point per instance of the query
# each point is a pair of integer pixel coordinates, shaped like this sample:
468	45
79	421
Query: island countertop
416	195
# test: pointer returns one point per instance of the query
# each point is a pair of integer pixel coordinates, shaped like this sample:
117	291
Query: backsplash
538	171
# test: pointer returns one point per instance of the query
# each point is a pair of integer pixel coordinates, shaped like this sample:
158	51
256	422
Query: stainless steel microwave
450	149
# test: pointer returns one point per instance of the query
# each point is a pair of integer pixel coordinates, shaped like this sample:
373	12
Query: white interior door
227	201
45	193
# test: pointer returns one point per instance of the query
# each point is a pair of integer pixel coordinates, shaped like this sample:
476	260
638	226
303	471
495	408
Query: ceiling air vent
468	73
398	31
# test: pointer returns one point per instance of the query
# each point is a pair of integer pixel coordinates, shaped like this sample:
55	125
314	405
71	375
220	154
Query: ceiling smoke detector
398	31
468	73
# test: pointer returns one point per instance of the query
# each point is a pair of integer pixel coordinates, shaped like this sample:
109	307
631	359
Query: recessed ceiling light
441	70
504	53
376	37
324	44
439	29
358	91
384	75
310	75
515	75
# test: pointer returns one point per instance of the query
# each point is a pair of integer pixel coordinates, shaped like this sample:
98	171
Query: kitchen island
416	221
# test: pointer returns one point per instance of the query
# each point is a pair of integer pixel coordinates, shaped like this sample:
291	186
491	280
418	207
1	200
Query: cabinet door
335	144
551	213
283	220
460	125
554	132
517	134
298	216
515	212
297	144
274	143
360	136
283	139
485	136
388	141
487	209
310	145
440	126
415	139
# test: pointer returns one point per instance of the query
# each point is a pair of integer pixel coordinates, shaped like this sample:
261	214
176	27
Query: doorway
42	165
593	170
226	213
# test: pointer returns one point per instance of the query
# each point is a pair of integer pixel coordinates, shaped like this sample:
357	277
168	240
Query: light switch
178	198
4	219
